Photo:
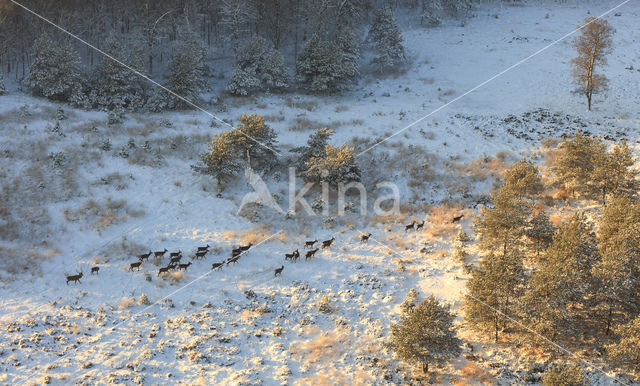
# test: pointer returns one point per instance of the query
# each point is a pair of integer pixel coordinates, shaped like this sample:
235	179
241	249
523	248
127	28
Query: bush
564	375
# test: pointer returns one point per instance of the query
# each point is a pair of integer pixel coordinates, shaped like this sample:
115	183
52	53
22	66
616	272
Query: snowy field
323	320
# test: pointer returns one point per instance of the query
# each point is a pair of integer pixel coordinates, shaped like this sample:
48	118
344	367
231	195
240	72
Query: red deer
184	266
311	253
236	252
160	253
292	256
95	269
234	259
174	254
216	265
162	270
309	244
365	238
137	264
175	259
206	248
201	254
420	225
144	256
74	278
327	243
457	218
278	271
410	226
246	247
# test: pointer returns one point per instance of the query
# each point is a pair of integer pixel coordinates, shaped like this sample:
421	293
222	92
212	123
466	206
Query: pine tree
618	273
258	67
577	162
3	90
55	72
348	44
115	86
336	165
492	289
318	66
222	159
564	280
387	38
523	179
626	352
614	172
540	232
253	137
564	375
187	70
503	225
425	335
315	147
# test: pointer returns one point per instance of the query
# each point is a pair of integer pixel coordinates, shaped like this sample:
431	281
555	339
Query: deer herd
200	253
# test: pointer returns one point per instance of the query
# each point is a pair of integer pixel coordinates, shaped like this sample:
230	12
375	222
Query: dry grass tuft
474	375
254	235
126	302
439	222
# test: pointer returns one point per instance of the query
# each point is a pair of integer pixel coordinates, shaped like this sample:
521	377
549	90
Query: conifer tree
523	179
625	353
563	281
221	161
425	335
258	67
564	375
348	44
3	90
115	86
614	172
255	139
492	289
315	147
336	165
618	273
318	66
55	72
387	38
577	162
540	232
503	225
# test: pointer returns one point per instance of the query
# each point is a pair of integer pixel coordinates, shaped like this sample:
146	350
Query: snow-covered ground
241	324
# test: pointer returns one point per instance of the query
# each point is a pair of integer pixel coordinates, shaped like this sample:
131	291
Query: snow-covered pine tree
425	334
115	86
3	90
258	67
577	162
523	179
492	289
614	173
349	47
336	165
387	37
55	72
318	66
431	12
315	147
187	70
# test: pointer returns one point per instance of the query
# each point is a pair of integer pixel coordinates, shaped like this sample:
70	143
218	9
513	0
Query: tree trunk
425	367
609	320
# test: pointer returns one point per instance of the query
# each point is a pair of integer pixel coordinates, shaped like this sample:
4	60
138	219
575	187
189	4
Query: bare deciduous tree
592	47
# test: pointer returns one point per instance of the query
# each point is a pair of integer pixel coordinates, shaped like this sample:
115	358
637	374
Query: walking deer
246	247
184	266
74	278
410	226
137	264
420	225
175	259
309	244
327	243
205	248
292	256
160	253
216	265
201	254
174	254
310	253
365	238
95	269
457	218
162	270
144	256
278	271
